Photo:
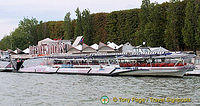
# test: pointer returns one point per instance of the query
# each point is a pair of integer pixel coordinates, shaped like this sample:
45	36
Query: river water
21	89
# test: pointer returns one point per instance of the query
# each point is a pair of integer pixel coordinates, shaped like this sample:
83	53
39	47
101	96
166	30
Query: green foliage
55	29
6	43
99	22
78	28
68	27
144	14
27	28
121	25
87	27
197	36
175	20
144	18
154	29
189	28
111	27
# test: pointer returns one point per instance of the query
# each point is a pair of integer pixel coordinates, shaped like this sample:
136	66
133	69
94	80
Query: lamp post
143	43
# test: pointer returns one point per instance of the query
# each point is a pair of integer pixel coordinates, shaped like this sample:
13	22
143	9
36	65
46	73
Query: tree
173	32
40	33
145	12
111	27
154	30
68	27
6	43
144	19
87	26
78	28
99	22
197	36
28	27
19	39
189	28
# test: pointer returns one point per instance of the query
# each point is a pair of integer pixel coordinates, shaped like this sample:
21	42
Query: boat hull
6	69
39	69
161	71
111	70
195	72
73	70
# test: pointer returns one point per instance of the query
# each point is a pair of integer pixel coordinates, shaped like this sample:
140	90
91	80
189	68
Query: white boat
155	66
157	71
130	66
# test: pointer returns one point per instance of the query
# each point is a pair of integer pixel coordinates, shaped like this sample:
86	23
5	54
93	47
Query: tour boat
145	65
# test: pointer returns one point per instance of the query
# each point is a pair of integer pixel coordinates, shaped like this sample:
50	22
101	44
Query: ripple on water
56	89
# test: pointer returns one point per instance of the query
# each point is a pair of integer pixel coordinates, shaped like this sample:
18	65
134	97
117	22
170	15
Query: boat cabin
151	62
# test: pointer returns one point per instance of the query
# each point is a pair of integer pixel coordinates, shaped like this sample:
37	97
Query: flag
82	39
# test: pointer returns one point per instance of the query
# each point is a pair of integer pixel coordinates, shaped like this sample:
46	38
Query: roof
47	40
158	49
15	51
113	45
26	50
69	47
95	46
104	47
86	48
79	47
18	51
127	44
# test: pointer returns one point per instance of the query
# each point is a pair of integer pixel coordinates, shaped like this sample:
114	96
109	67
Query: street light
144	43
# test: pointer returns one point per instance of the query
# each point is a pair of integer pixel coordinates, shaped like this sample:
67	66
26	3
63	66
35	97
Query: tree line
174	25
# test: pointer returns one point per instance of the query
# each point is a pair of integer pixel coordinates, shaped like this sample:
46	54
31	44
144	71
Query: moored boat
156	66
124	65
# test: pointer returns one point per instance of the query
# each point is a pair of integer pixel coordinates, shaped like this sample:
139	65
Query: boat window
189	60
135	50
197	61
58	62
33	62
103	61
113	61
156	60
83	62
93	62
145	50
75	62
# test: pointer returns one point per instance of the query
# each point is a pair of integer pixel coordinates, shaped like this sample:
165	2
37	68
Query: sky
12	11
